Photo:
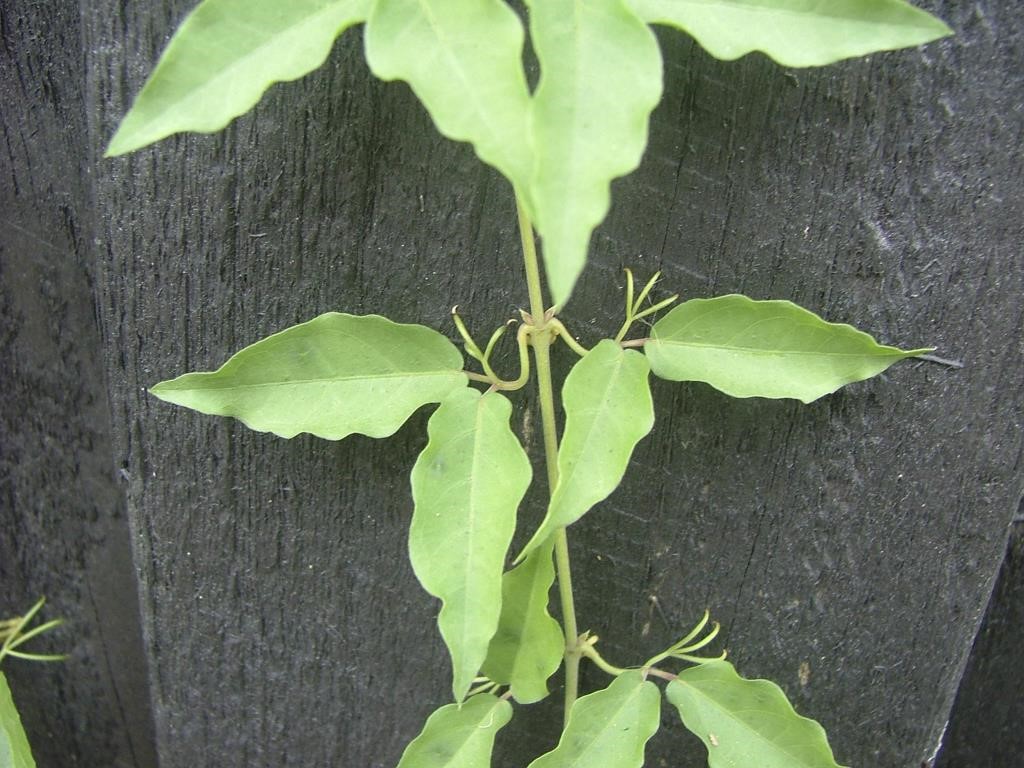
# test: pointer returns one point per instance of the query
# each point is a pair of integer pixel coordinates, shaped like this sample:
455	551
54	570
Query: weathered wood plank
847	546
62	514
857	536
985	725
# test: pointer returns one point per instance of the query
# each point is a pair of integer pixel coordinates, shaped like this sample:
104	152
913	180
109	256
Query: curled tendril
486	685
484	356
684	649
14	635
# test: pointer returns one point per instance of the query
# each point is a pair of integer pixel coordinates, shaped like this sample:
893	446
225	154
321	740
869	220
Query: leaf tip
461	686
940	28
128	138
117	146
166	391
561	290
531	545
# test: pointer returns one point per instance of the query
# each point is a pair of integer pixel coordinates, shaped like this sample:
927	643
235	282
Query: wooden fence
239	600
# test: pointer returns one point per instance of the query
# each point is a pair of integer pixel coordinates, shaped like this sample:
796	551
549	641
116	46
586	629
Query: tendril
484	356
13	634
633	311
684	649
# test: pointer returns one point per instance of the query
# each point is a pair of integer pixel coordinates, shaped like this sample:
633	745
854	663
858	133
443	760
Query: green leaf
459	735
608	410
528	646
746	722
225	54
332	376
775	349
600	79
463	59
608	728
796	33
467	484
14	749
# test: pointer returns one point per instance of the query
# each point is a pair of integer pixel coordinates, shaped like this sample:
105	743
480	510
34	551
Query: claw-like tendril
633	310
684	649
13	635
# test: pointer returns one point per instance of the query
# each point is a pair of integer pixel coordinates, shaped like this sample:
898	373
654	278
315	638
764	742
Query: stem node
541	343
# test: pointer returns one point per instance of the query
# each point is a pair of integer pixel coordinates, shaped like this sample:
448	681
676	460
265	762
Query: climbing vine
559	146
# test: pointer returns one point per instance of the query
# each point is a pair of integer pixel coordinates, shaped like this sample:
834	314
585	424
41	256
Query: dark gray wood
848	547
62	514
985	725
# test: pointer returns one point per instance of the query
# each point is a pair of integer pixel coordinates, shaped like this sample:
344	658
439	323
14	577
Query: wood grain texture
985	727
62	515
848	547
857	536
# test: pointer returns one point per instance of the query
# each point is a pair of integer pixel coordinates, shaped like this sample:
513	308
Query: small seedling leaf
608	410
796	33
225	54
608	728
14	749
333	376
463	59
528	646
773	349
600	79
746	722
467	484
459	735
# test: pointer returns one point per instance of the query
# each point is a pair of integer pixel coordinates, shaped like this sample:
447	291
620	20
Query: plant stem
541	343
530	262
541	351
